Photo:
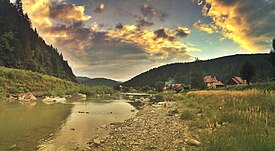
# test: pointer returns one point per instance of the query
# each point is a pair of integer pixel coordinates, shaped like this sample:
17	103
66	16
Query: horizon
119	40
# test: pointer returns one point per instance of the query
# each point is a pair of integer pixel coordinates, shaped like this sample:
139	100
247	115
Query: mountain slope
21	47
224	68
97	81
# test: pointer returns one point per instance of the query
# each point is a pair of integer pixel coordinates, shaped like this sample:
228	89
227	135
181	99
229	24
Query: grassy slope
14	81
249	118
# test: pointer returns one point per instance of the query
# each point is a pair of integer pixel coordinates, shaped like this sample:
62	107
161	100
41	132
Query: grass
13	81
231	120
258	85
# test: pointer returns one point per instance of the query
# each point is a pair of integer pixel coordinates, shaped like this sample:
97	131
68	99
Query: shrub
187	115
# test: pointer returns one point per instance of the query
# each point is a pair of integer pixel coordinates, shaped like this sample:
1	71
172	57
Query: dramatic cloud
250	23
159	44
150	11
67	12
95	50
59	22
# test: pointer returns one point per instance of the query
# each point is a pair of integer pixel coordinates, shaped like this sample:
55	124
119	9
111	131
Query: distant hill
21	46
97	81
224	68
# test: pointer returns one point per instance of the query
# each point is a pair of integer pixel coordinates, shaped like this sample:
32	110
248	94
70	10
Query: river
58	126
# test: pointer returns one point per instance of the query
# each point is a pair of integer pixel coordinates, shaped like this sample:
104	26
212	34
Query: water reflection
24	126
84	122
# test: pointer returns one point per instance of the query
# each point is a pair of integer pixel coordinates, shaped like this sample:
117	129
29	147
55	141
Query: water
58	126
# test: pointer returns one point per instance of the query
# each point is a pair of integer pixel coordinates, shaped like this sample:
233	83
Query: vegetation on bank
13	81
230	120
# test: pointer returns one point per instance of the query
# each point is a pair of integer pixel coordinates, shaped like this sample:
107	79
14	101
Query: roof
210	79
238	80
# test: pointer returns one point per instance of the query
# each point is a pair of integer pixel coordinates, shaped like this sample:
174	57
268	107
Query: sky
119	39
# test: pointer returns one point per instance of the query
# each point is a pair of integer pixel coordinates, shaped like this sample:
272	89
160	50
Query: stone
53	100
13	146
194	142
97	141
28	97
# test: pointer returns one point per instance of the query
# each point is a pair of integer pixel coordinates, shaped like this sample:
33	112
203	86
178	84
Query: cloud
210	29
159	44
150	11
141	22
182	32
59	22
100	8
67	12
117	50
249	23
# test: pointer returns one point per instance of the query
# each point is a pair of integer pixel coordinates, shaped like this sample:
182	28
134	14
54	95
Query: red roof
210	79
238	80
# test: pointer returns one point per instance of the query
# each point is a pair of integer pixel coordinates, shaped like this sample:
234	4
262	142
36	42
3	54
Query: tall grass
14	81
232	120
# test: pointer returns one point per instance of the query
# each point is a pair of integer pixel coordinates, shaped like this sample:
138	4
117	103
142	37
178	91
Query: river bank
155	127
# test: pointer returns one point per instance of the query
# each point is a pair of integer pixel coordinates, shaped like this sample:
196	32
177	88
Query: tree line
21	46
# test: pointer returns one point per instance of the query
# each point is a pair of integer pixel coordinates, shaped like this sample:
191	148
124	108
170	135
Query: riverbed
58	126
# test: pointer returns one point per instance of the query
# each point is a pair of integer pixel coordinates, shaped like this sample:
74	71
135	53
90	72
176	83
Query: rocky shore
155	127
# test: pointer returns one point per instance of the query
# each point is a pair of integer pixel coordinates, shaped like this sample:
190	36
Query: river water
58	126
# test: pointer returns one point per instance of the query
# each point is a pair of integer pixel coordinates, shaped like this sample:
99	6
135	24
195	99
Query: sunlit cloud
249	23
100	8
160	44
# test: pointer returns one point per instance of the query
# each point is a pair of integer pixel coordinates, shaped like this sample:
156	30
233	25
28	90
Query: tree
247	71
196	79
19	6
159	86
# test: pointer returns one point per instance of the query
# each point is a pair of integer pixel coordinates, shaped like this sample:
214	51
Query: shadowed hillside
97	81
21	47
224	68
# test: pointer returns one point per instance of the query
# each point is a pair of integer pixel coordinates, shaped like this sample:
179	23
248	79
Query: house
236	80
174	87
212	82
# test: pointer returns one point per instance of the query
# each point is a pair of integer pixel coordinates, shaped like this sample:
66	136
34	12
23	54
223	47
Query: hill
21	46
16	81
97	81
224	68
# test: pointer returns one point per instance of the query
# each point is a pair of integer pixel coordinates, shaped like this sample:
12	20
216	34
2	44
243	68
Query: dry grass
232	120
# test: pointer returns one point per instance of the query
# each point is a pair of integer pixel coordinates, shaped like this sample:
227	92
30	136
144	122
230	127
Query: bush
187	115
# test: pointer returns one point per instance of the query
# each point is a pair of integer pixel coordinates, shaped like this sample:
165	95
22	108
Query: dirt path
156	127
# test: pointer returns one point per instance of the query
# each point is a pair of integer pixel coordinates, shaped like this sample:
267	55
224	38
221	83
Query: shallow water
58	126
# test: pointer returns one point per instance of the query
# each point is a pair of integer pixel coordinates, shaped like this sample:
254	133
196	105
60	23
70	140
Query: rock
13	146
103	126
73	129
79	95
97	141
183	148
133	110
28	97
49	100
194	142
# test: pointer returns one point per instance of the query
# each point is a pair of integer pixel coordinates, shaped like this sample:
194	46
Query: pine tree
19	6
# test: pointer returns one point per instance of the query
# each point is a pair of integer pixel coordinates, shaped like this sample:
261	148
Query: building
236	80
212	82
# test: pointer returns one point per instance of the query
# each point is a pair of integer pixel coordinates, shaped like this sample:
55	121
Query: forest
223	68
21	46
